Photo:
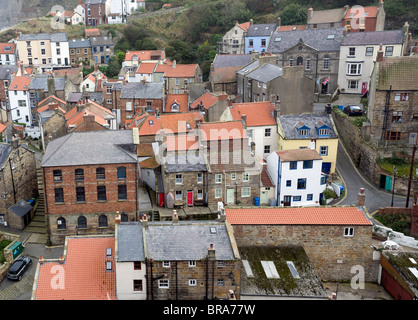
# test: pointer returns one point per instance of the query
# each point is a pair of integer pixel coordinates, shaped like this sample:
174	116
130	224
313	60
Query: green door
388	184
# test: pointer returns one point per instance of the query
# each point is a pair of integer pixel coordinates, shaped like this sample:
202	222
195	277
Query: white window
351	51
326	64
163	284
108	90
245	177
220	282
177	81
166	264
389	51
109	101
245	192
128	105
218	178
179	195
348	232
218	193
192	263
199	177
192	282
352	84
179	179
369	51
353	69
199	194
233	176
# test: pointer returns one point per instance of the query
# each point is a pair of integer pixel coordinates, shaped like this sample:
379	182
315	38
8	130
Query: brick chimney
117	218
379	57
310	13
61	260
251	22
144	221
279	22
211	252
361	198
244	119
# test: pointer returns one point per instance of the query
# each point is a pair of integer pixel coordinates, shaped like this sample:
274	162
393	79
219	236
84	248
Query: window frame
163	284
122	192
59	195
80	194
348	232
218	178
301	184
79	174
101	193
307	164
246	194
137	283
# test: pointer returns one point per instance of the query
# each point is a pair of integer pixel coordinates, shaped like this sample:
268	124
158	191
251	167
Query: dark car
353	110
18	268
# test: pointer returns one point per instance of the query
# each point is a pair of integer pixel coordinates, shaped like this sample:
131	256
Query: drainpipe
279	178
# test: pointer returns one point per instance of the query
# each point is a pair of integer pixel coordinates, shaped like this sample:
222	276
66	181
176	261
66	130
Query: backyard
3	244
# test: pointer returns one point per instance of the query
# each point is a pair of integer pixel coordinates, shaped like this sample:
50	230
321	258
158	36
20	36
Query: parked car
18	268
353	110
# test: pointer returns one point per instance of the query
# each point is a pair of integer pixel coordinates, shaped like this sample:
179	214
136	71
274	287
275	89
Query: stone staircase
38	223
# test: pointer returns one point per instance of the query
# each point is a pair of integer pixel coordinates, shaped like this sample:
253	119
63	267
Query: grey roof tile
187	163
289	124
138	90
231	60
130	244
266	73
79	43
259	30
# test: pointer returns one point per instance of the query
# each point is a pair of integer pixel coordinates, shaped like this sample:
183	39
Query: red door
189	198
364	88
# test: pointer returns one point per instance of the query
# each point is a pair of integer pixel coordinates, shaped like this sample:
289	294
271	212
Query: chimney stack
175	216
117	218
279	22
144	221
251	22
211	252
310	13
223	215
15	141
61	260
244	119
379	57
144	80
361	198
312	144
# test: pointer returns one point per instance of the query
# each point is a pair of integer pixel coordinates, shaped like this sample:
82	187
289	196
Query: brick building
87	177
80	51
18	179
96	11
334	238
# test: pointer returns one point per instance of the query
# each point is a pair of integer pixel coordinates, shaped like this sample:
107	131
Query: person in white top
220	207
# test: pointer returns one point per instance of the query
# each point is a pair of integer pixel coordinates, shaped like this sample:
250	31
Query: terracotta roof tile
208	99
257	113
20	83
227	130
145	55
265	179
7	48
182	142
85	272
145	150
150	163
369	12
182	100
298	216
179	71
146	67
298	155
291	28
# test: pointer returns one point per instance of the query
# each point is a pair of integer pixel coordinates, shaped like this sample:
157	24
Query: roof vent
270	270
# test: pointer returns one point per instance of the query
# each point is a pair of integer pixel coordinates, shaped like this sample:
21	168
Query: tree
121	56
293	14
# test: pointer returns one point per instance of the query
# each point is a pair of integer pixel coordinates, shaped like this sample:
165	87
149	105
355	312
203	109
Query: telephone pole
410	175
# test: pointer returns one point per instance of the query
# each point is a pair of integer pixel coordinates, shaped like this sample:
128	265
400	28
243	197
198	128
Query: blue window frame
297	198
302	183
323	151
288	183
101	49
94	49
323	179
309	197
293	165
307	164
121	172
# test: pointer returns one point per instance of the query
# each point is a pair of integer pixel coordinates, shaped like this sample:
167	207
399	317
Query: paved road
354	180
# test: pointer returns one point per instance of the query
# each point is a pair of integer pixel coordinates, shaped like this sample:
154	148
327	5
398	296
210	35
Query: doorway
287	200
230	196
190	198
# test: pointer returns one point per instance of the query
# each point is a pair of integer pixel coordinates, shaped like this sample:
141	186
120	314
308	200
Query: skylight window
412	260
414	272
213	230
277	39
270	270
293	270
247	268
331	36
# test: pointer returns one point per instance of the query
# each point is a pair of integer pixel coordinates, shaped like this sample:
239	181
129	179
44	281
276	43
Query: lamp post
393	187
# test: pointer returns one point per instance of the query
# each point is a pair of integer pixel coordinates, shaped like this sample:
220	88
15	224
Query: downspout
177	286
279	178
13	181
207	278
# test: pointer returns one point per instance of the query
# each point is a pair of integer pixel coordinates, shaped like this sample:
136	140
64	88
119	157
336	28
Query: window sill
122	200
102	201
80	202
60	203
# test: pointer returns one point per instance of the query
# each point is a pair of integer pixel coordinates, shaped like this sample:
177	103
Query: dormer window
303	132
323	132
174	107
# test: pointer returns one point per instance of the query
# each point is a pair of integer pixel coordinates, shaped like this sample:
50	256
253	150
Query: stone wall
331	253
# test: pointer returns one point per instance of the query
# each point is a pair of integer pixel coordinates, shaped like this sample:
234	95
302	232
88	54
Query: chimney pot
175	216
361	198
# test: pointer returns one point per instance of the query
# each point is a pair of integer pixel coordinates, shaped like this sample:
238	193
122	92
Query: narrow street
354	179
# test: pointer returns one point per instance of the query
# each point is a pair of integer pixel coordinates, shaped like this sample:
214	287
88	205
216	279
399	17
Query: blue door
326	167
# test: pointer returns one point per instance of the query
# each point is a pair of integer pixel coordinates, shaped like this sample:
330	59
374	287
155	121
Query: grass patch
402	163
397	222
3	244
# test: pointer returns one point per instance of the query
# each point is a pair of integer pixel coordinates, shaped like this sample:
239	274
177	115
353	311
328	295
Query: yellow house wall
296	144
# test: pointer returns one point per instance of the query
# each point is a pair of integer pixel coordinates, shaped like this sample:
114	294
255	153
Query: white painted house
81	11
60	50
261	124
131	281
358	52
297	177
20	110
8	54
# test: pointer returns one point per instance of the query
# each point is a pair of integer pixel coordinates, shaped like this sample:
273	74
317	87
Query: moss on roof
308	285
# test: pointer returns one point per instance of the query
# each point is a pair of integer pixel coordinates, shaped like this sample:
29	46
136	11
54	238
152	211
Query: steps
38	223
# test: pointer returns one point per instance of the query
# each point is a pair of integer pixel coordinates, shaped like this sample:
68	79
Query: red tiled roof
54	98
298	216
265	179
244	26
4	126
50	106
3	47
182	142
371	13
228	130
172	123
84	275
291	28
145	150
92	32
298	155
20	83
181	99
144	54
208	99
177	71
257	113
150	163
146	67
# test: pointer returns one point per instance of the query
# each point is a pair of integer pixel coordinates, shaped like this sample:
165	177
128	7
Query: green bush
329	194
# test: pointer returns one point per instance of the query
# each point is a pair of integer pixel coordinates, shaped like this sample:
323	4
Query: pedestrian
220	207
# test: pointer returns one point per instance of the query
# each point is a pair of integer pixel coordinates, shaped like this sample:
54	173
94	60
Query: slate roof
40	82
327	16
138	90
79	43
256	282
267	72
397	72
97	147
6	72
99	41
54	37
130	244
288	125
315	38
374	37
248	68
21	208
185	241
5	150
183	163
260	30
231	60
